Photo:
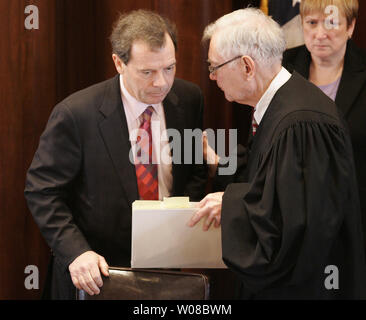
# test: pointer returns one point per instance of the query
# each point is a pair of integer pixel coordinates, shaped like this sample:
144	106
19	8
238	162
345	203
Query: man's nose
159	80
212	76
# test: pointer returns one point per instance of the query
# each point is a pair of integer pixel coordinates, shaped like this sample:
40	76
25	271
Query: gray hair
248	32
142	25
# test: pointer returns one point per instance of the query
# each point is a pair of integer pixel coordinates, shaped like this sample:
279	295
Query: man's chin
228	98
155	99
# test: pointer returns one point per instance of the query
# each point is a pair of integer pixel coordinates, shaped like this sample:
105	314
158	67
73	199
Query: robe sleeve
279	227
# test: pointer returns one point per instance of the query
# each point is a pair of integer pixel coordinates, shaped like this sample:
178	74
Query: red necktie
146	168
254	123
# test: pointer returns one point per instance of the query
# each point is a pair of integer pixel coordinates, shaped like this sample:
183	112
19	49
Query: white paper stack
162	239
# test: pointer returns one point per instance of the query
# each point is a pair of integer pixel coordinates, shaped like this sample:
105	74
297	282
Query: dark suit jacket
350	99
81	184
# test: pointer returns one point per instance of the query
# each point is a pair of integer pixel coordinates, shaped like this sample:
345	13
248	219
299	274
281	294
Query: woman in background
332	61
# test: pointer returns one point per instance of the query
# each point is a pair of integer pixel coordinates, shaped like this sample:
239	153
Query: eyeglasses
212	69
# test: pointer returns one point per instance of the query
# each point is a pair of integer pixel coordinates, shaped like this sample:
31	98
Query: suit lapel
114	131
174	117
352	81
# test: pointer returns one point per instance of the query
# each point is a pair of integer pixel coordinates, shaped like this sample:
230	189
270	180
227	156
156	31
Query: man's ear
248	67
118	63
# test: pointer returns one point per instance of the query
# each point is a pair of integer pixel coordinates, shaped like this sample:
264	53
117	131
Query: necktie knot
146	115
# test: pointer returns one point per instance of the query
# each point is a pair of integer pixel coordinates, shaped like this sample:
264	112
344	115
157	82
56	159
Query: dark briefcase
146	284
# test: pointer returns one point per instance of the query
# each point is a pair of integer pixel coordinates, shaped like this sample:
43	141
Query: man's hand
209	155
84	271
209	207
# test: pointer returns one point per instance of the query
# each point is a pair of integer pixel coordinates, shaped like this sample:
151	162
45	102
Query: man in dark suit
291	219
83	180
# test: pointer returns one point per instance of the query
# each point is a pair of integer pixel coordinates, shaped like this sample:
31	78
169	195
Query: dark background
71	51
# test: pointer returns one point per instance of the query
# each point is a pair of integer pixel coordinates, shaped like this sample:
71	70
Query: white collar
260	109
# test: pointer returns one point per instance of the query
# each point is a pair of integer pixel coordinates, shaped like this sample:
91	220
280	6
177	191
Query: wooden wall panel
27	81
76	29
9	132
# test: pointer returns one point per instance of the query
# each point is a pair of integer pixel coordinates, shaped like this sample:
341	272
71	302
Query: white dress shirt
133	110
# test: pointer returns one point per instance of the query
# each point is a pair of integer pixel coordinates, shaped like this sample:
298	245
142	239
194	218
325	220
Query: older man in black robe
291	220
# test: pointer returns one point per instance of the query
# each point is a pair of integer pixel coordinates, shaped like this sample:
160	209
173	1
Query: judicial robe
291	226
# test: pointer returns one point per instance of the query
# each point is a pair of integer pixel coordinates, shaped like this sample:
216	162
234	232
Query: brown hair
142	25
348	7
